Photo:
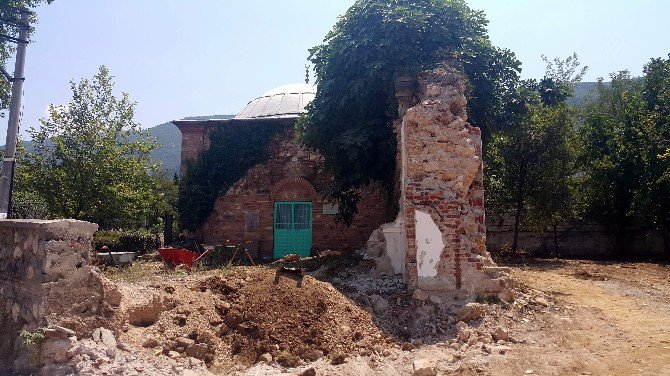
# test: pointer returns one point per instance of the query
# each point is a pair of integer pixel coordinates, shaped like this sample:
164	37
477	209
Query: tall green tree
613	159
350	120
652	202
556	198
91	159
26	203
626	157
530	160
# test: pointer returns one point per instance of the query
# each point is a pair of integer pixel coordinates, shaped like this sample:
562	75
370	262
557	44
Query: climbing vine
234	148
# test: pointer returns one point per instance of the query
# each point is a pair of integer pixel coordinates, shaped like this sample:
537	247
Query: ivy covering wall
350	120
234	149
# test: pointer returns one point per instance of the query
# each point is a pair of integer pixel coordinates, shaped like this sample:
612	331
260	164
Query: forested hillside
582	91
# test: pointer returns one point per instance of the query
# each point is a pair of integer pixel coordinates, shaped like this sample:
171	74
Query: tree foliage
611	159
653	202
627	137
91	159
530	161
350	120
166	196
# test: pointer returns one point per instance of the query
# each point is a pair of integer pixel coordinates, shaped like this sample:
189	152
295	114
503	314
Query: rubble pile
62	353
330	320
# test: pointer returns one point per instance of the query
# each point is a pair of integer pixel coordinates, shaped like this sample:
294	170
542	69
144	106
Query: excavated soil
569	318
238	316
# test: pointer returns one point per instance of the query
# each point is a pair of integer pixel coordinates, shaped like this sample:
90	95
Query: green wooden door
293	228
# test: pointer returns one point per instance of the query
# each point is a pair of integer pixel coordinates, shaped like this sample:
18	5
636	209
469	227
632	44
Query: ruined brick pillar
442	193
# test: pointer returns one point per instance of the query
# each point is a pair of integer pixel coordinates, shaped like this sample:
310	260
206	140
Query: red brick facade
245	212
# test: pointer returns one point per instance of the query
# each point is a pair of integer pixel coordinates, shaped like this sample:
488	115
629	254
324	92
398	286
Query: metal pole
7	177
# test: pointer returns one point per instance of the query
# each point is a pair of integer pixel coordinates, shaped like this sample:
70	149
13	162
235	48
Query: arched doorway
293	214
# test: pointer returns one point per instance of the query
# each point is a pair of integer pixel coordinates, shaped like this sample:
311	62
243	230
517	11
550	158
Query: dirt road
617	321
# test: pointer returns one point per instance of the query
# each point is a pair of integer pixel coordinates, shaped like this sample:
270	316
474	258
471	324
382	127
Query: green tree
613	159
651	202
26	203
9	18
166	201
91	159
350	120
556	197
530	161
626	160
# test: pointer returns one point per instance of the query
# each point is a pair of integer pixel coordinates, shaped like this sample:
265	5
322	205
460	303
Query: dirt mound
291	316
230	319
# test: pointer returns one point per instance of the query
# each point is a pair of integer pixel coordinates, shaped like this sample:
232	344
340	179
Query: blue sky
182	58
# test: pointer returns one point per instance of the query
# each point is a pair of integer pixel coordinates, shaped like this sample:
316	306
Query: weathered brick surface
443	190
293	173
193	142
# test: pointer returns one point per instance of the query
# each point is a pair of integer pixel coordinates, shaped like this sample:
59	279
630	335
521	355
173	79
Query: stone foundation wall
442	196
45	279
585	240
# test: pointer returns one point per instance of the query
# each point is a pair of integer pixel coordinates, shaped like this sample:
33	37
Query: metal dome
287	101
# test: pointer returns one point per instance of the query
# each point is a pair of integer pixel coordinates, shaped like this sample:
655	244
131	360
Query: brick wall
443	194
245	211
193	141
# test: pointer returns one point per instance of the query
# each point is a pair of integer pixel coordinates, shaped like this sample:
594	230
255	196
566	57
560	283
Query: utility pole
7	177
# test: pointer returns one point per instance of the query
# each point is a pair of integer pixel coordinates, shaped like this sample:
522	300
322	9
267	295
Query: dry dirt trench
620	321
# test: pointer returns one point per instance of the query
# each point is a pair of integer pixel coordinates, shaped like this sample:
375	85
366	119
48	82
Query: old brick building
281	206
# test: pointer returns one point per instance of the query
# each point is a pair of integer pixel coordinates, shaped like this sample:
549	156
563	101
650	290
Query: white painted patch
331	208
395	246
429	244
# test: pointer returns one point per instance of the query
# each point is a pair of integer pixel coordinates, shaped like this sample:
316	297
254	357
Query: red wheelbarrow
178	256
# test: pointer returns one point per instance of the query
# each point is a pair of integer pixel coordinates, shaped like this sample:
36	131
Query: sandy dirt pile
233	320
341	315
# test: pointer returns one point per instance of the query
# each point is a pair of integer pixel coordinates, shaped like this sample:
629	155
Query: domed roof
286	101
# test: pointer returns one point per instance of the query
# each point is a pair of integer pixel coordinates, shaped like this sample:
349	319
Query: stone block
424	367
55	350
471	311
58	332
105	337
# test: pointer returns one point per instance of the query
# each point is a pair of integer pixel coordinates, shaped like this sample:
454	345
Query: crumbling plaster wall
441	188
45	279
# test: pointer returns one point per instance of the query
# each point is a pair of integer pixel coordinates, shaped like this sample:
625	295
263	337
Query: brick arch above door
293	189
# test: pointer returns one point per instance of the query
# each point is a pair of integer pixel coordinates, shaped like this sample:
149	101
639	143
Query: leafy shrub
28	204
141	241
33	342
